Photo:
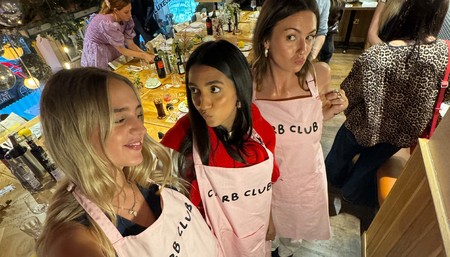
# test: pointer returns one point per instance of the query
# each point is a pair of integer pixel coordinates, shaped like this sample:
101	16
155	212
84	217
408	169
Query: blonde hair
391	8
108	6
74	105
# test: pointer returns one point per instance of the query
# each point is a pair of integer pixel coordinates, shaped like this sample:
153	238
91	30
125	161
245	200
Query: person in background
324	11
336	12
145	24
392	89
384	11
294	97
110	34
228	148
117	176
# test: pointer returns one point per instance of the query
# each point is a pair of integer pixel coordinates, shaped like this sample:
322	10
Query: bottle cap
25	132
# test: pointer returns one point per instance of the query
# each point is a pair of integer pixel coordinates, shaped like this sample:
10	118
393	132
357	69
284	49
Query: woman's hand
335	102
148	57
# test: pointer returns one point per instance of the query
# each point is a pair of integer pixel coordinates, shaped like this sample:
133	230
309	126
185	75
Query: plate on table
152	83
133	68
182	107
209	38
247	46
196	25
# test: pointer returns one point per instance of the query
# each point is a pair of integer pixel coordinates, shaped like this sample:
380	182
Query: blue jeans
327	50
357	181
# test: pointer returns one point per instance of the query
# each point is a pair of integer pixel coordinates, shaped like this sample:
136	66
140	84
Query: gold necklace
131	210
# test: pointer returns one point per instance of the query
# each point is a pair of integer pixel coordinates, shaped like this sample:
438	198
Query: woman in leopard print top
392	89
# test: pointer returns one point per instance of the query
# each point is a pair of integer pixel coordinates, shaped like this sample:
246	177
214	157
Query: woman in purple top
110	34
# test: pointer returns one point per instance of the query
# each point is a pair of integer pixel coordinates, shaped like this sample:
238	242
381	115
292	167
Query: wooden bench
389	172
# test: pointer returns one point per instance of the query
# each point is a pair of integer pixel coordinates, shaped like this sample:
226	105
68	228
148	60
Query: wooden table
178	95
15	243
353	8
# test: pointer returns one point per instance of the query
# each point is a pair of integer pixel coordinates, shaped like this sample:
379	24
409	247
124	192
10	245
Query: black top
127	227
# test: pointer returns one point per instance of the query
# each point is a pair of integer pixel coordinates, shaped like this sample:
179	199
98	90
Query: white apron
237	204
299	201
180	230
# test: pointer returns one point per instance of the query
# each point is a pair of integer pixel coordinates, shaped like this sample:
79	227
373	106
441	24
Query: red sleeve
175	135
267	134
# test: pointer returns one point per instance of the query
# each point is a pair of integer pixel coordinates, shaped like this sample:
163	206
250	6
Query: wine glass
253	4
170	108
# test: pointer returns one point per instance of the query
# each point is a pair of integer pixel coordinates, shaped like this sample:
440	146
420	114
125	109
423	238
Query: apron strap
312	86
96	214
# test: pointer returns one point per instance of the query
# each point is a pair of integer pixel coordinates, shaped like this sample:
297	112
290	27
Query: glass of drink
253	4
32	227
167	97
34	206
159	108
176	81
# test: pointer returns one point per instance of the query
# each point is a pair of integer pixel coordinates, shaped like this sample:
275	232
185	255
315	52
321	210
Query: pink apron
299	201
179	231
237	204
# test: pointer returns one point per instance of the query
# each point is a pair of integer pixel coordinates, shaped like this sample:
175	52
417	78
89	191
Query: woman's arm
72	241
333	102
134	51
372	34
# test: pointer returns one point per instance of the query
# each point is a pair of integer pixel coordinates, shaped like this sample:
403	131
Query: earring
238	104
266	52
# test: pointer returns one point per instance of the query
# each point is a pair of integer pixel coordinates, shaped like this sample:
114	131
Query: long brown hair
271	13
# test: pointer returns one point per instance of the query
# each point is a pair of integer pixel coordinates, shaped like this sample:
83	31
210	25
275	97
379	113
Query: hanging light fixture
12	53
7	78
32	83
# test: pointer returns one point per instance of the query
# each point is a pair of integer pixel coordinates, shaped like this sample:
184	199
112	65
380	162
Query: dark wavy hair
271	13
228	59
416	20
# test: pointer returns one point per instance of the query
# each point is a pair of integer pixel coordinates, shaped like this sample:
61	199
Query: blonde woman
110	34
117	177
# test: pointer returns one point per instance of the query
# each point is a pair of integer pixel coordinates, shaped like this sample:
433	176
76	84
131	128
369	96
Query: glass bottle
159	65
209	28
41	155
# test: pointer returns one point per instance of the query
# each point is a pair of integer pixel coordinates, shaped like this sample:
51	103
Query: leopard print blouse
392	91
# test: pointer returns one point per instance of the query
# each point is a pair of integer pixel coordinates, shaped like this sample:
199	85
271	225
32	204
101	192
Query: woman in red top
228	149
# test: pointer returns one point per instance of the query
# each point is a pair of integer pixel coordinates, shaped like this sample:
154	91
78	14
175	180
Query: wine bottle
26	177
180	64
214	21
209	28
41	155
159	65
24	156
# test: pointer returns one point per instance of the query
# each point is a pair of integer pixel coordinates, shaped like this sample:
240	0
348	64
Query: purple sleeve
112	32
129	30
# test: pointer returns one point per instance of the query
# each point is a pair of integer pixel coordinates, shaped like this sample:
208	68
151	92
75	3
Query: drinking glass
32	227
159	107
34	206
176	81
144	64
253	4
